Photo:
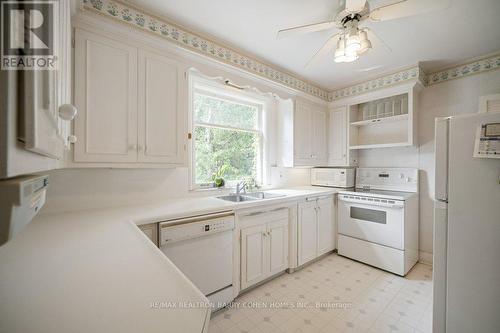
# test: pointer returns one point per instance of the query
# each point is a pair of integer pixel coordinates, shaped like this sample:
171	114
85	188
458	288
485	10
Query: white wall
453	97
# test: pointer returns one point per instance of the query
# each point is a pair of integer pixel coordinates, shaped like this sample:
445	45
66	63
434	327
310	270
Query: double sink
250	196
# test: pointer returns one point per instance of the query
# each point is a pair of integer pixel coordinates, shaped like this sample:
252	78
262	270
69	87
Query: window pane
215	147
226	113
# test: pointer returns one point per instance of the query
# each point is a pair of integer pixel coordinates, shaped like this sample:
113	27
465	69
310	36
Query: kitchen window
227	138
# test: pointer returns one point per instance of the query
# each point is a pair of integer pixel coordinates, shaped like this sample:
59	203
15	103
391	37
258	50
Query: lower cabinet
316	228
264	245
326	226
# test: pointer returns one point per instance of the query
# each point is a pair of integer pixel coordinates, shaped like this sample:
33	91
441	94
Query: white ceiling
468	29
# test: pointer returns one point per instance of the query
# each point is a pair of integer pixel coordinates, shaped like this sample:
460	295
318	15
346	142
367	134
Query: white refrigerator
467	224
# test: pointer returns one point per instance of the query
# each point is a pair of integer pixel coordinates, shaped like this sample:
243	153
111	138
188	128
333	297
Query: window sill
210	189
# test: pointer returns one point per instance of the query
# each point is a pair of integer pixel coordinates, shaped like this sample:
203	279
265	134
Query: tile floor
352	297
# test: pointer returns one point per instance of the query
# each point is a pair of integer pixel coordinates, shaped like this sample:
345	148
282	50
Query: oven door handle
396	204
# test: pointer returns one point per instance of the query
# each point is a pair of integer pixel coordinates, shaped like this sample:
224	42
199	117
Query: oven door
377	223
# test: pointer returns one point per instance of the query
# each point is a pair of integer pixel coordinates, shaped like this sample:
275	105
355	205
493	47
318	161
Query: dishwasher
202	248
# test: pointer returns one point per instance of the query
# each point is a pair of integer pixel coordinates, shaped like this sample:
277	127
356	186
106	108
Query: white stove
378	220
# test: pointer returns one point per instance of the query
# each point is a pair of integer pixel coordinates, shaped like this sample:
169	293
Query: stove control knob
401	176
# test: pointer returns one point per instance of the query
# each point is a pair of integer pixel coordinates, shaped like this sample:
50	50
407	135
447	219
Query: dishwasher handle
191	219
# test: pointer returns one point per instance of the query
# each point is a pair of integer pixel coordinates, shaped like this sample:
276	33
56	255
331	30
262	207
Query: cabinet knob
132	147
67	112
72	139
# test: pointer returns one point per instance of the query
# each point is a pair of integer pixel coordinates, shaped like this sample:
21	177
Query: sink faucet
241	187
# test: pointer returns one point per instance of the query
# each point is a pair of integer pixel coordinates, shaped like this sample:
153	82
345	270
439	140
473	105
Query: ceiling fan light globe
340	45
350	56
365	46
353	47
339	59
353	43
339	56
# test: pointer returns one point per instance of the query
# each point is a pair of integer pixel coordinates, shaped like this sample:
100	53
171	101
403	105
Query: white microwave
333	177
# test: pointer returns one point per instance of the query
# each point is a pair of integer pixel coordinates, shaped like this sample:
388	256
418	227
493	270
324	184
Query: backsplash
80	189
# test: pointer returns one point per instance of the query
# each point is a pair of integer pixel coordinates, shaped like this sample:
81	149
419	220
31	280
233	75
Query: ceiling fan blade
354	6
303	29
326	48
406	8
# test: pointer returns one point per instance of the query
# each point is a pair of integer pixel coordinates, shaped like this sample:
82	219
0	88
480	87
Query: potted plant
218	176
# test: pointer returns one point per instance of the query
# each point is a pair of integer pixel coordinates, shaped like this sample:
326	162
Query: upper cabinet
339	153
35	117
131	102
106	95
379	119
303	133
162	94
388	119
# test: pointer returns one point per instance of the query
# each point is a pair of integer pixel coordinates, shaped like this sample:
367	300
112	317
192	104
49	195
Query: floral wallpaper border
139	19
479	66
474	67
413	73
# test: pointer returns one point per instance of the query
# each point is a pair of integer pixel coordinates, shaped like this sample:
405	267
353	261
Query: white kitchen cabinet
132	103
339	153
385	118
302	132
264	245
316	228
106	97
34	138
253	255
302	128
161	130
308	232
319	141
278	245
326	230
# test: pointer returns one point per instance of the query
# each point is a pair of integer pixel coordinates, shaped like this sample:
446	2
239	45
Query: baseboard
425	258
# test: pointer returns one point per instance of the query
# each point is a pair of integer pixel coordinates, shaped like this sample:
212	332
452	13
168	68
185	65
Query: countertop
95	271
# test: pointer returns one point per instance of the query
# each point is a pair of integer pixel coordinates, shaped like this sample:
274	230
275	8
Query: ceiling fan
351	38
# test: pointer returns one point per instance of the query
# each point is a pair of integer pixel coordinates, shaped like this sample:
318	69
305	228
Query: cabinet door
253	255
302	132
338	137
319	142
278	245
326	226
162	118
106	98
307	232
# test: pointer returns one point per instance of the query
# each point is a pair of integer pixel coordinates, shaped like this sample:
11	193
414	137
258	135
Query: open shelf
401	117
382	120
380	145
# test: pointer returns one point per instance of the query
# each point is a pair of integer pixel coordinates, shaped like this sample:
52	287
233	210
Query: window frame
224	93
